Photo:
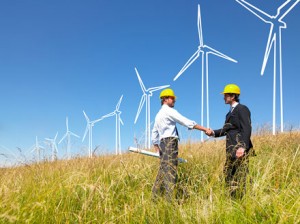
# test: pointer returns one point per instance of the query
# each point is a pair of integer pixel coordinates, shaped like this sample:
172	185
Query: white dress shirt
233	106
165	123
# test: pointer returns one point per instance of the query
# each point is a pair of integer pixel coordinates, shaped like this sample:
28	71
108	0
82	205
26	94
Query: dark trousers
236	171
167	174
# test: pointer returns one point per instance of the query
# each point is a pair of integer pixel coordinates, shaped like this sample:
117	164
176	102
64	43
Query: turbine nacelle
278	23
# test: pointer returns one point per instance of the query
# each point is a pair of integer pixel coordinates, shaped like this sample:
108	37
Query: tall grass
117	189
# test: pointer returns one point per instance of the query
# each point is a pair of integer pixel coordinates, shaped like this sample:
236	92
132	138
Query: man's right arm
218	133
201	128
155	136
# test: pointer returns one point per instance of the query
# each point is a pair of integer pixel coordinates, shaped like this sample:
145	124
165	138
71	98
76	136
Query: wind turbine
37	148
68	136
119	121
89	128
53	146
274	40
205	50
147	93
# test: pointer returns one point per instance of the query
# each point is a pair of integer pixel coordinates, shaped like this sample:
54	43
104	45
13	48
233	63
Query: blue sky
58	58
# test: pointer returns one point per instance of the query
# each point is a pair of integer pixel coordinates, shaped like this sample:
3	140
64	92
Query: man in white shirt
165	140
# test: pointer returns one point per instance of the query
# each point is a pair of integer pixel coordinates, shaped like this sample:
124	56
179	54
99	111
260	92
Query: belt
169	138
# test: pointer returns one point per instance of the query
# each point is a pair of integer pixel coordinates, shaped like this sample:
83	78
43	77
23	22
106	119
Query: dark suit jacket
237	129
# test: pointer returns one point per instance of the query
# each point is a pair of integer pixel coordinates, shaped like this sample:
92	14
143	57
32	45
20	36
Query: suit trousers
167	174
236	171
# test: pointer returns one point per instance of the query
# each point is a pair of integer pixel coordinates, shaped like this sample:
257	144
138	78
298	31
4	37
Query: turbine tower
205	50
37	148
89	129
274	40
53	146
68	136
119	121
147	93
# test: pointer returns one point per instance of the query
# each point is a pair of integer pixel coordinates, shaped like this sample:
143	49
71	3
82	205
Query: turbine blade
85	132
96	121
86	117
271	40
71	133
199	23
67	124
140	107
119	103
140	80
153	89
218	53
189	62
256	11
107	115
121	121
55	137
63	138
33	148
285	8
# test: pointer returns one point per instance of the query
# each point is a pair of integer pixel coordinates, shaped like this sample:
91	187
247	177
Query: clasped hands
209	132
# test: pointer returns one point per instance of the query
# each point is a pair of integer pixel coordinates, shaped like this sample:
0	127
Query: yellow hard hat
231	88
166	93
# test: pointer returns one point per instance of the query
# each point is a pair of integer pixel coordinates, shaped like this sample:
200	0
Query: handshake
209	132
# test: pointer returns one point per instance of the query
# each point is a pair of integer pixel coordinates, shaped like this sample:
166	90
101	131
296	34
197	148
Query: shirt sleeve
155	135
177	117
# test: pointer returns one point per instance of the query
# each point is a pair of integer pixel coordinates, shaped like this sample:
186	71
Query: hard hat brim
175	97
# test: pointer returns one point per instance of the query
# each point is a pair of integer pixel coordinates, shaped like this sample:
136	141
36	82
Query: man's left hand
156	148
240	153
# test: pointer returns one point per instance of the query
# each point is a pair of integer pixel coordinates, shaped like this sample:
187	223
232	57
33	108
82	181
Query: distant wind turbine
68	135
37	148
119	121
53	146
274	40
147	93
205	50
89	129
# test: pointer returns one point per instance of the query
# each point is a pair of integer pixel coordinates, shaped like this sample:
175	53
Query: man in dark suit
237	129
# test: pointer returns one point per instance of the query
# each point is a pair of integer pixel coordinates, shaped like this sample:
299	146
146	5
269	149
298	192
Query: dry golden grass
117	189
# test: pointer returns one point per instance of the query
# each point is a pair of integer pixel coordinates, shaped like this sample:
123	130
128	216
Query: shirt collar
233	106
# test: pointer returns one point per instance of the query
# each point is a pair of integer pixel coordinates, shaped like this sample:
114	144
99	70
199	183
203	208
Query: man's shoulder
167	108
242	107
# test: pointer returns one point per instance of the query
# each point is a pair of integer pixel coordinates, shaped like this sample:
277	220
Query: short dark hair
163	99
236	96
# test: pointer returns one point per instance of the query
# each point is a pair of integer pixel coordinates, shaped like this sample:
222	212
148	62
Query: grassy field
117	189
